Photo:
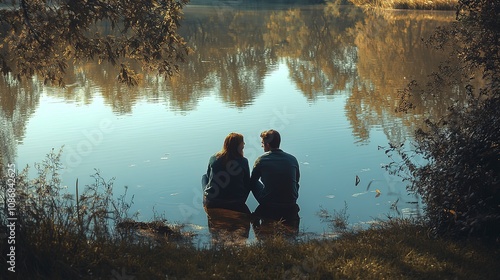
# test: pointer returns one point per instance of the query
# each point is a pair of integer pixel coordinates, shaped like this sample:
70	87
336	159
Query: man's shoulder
289	156
283	153
277	154
262	157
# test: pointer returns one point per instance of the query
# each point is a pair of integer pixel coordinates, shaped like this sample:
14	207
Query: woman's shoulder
243	160
213	159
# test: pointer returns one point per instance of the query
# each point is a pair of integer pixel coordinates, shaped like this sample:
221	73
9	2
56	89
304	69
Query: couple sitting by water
274	180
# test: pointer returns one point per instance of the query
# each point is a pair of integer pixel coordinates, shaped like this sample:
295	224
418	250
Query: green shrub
460	179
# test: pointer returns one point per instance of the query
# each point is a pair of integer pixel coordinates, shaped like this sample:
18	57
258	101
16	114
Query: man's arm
246	175
297	174
256	173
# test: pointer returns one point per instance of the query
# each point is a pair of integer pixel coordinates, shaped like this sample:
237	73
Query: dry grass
395	250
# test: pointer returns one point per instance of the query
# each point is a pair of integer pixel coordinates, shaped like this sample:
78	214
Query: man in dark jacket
278	171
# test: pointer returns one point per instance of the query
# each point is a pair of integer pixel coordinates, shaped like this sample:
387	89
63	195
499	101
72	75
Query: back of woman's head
230	148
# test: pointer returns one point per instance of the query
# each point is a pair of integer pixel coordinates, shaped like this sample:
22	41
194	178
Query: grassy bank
393	251
408	4
398	250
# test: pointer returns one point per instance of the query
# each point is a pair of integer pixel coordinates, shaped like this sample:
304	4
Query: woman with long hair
226	183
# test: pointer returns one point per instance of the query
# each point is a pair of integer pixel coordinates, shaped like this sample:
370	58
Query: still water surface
328	79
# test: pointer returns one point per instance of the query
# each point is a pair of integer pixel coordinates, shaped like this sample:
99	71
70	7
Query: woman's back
228	180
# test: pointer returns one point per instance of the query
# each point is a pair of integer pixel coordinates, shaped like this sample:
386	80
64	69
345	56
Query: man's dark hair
271	137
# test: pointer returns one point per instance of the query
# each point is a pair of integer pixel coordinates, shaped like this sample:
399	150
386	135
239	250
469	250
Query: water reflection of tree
17	103
316	46
234	65
329	50
391	53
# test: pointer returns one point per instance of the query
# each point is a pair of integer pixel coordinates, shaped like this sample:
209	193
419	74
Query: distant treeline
236	2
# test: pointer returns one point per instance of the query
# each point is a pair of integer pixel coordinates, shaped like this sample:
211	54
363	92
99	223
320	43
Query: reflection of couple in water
274	182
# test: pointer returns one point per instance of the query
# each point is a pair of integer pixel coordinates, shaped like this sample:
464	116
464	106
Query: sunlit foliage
43	38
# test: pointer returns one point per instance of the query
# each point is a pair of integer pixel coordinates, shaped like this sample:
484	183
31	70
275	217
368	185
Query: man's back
279	172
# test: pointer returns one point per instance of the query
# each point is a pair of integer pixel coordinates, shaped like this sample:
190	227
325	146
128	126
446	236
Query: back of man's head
271	137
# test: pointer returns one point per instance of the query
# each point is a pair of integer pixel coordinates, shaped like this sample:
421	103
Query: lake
328	78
